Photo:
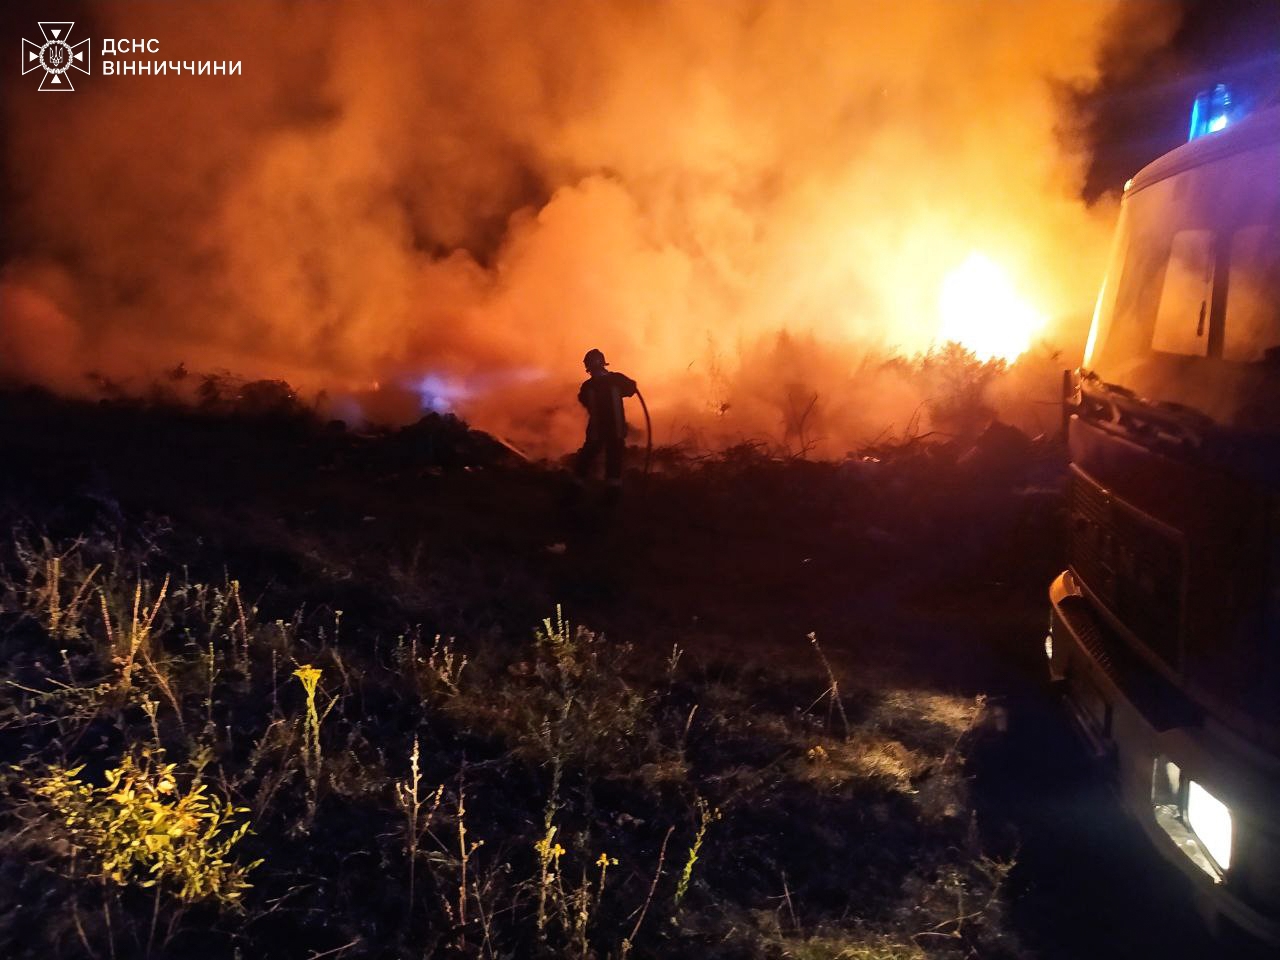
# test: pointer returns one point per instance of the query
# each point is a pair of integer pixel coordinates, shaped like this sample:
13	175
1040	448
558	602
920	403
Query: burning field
310	644
409	206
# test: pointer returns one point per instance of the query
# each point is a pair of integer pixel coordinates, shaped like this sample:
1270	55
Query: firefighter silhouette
602	394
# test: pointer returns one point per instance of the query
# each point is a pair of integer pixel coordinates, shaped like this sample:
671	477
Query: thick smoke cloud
743	203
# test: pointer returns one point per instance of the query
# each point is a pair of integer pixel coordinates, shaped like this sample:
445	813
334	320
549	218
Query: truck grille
1131	563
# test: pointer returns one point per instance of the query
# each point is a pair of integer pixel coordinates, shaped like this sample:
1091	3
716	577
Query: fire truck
1164	635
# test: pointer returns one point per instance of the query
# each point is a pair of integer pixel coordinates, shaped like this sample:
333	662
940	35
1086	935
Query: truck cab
1165	628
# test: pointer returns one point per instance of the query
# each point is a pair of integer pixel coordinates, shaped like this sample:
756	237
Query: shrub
956	383
141	828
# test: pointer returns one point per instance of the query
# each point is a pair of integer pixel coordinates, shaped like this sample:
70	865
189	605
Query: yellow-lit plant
38	585
582	710
412	802
549	854
63	618
129	639
143	829
443	663
586	901
706	814
310	677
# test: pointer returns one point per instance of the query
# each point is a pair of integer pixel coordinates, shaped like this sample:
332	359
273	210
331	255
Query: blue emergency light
1211	111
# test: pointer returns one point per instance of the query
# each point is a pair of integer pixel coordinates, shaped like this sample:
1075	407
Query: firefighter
602	394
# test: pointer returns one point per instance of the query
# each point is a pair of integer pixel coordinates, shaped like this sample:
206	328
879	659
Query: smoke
746	205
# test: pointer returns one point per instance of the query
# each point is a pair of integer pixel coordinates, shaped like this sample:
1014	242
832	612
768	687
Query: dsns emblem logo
56	56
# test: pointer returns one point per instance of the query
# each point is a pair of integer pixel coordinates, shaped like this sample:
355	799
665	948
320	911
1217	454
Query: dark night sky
1141	109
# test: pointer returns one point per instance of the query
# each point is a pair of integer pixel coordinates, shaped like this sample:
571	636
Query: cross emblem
55	56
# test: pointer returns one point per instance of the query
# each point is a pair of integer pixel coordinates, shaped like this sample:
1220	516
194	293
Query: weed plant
178	794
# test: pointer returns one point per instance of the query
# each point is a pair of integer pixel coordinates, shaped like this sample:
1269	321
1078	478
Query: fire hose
648	427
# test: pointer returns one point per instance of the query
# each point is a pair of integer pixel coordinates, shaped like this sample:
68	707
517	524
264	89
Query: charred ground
933	806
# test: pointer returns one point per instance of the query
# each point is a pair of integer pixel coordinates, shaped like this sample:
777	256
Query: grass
417	753
564	772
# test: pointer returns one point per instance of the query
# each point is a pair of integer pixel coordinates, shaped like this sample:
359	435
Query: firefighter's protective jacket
603	396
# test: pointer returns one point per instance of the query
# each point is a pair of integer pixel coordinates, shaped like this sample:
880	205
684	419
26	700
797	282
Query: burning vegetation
310	644
750	203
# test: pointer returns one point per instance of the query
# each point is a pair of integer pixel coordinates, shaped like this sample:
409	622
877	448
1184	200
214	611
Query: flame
982	311
414	238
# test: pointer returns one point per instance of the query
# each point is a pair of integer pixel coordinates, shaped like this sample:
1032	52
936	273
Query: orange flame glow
983	312
748	206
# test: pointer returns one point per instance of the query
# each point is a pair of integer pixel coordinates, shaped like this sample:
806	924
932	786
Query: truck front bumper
1160	750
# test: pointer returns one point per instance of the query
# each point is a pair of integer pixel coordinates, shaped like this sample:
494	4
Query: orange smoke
743	204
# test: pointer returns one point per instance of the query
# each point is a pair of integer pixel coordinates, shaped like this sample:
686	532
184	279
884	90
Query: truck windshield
1190	311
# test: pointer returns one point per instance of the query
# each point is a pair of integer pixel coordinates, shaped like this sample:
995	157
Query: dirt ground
920	577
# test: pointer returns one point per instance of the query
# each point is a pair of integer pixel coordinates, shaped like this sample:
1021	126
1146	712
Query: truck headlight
1196	821
1210	820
